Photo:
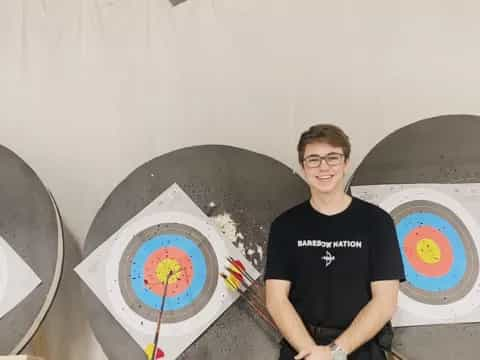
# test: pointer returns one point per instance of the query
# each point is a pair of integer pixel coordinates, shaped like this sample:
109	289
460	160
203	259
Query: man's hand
315	353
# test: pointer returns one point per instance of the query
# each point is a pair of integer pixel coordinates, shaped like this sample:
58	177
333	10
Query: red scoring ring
185	276
410	248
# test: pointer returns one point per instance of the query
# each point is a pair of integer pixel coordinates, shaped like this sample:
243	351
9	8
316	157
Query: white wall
91	89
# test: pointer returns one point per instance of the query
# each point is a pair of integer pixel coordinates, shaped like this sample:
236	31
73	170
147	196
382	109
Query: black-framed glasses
332	159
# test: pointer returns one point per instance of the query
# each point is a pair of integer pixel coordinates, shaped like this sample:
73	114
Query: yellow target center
429	251
166	266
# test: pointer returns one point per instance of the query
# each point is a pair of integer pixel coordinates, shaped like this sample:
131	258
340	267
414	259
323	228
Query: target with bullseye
438	250
155	252
438	238
170	239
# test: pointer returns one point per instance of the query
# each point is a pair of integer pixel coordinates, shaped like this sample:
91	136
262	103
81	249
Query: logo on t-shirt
330	244
328	258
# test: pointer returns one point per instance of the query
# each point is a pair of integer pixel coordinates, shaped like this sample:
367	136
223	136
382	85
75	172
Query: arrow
329	258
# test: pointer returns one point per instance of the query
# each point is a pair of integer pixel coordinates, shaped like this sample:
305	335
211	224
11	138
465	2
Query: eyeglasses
332	159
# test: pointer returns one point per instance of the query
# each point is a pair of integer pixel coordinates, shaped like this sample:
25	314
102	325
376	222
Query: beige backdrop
91	89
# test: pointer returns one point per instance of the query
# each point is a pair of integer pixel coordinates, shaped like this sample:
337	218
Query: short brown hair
324	133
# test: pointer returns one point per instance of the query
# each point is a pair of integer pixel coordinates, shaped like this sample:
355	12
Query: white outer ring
122	239
471	301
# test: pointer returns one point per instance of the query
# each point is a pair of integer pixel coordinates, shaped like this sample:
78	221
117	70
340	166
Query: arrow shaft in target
157	332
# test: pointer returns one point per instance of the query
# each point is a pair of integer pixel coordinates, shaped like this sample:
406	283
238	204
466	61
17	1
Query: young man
333	262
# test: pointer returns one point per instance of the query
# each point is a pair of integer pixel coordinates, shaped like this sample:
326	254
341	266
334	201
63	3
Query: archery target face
149	258
128	273
144	254
439	251
439	239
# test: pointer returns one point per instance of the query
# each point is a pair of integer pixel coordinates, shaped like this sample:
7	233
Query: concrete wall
91	89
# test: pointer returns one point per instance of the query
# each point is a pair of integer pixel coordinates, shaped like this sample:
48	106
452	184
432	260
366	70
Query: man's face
324	167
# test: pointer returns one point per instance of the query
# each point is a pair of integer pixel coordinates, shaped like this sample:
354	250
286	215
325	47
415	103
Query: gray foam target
438	150
30	223
251	187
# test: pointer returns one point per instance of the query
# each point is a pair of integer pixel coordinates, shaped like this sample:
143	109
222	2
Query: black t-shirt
331	260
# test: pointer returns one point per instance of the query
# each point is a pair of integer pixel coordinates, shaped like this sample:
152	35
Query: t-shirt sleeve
386	259
278	257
